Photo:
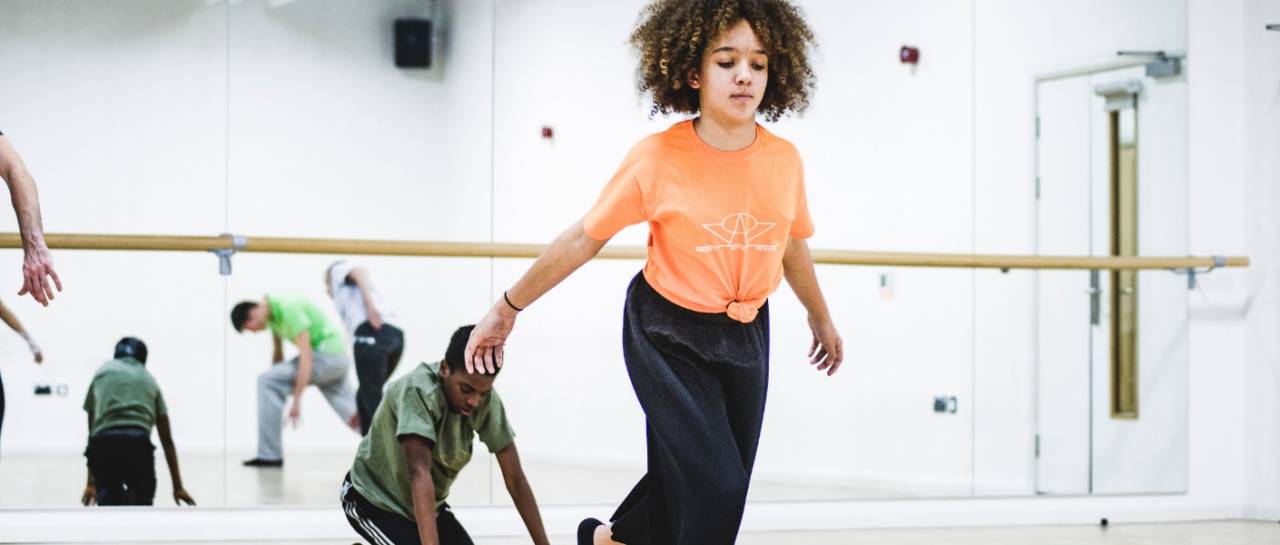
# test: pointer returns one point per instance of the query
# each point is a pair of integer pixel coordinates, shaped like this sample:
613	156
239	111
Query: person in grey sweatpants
329	373
322	360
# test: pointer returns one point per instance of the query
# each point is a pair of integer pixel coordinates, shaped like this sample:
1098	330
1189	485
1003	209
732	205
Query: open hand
180	496
90	495
827	350
38	276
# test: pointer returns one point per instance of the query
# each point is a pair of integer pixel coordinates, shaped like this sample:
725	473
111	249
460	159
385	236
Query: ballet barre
225	246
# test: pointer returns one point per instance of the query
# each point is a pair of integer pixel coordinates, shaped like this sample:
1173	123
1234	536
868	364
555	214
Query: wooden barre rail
166	243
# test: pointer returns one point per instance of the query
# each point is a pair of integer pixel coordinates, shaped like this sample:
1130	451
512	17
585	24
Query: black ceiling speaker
413	43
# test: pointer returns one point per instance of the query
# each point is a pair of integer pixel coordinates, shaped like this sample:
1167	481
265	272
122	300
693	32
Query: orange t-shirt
719	221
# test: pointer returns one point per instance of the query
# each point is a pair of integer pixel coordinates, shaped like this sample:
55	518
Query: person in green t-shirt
322	361
123	403
420	439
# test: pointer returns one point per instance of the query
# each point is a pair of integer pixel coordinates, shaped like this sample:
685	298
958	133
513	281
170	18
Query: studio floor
1191	533
57	481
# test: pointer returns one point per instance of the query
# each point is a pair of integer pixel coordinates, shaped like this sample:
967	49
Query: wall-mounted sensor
1274	27
548	133
909	55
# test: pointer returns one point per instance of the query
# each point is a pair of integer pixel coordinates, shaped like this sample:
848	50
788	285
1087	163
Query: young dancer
725	203
398	487
377	342
321	360
123	404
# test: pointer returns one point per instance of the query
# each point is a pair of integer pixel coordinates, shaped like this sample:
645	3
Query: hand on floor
180	495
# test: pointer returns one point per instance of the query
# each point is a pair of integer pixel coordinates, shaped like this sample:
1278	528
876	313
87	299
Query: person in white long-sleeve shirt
378	342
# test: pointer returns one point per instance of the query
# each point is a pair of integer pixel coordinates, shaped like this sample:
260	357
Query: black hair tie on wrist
509	303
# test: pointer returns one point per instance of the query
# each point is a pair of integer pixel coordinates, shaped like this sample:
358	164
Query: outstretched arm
827	350
12	320
180	494
522	493
566	254
38	276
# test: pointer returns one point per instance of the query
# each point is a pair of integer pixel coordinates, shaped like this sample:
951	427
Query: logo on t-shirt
737	231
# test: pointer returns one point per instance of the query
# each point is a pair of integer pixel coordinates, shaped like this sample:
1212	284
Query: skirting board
1262	512
263	524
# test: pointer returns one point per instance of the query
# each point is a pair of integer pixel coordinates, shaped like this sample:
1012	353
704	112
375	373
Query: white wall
1259	174
1219	188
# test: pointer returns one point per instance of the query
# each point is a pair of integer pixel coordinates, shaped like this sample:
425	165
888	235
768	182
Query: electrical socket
60	390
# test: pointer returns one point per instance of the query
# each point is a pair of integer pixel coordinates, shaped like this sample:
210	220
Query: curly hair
672	36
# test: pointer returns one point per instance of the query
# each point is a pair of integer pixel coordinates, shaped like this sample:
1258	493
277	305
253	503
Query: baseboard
1262	512
262	524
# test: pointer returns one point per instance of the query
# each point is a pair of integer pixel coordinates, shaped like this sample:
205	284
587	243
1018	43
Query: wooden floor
1193	533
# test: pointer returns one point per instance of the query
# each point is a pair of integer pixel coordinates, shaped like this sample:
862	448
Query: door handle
1095	297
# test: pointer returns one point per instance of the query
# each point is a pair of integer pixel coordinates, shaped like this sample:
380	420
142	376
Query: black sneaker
259	462
587	531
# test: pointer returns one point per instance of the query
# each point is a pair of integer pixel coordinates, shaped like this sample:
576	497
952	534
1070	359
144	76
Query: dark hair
131	347
240	314
453	356
672	36
328	272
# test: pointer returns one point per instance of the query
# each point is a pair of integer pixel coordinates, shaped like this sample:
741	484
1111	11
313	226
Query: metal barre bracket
238	242
1192	272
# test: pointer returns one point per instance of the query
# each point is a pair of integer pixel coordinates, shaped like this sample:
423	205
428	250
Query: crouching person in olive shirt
419	440
123	403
